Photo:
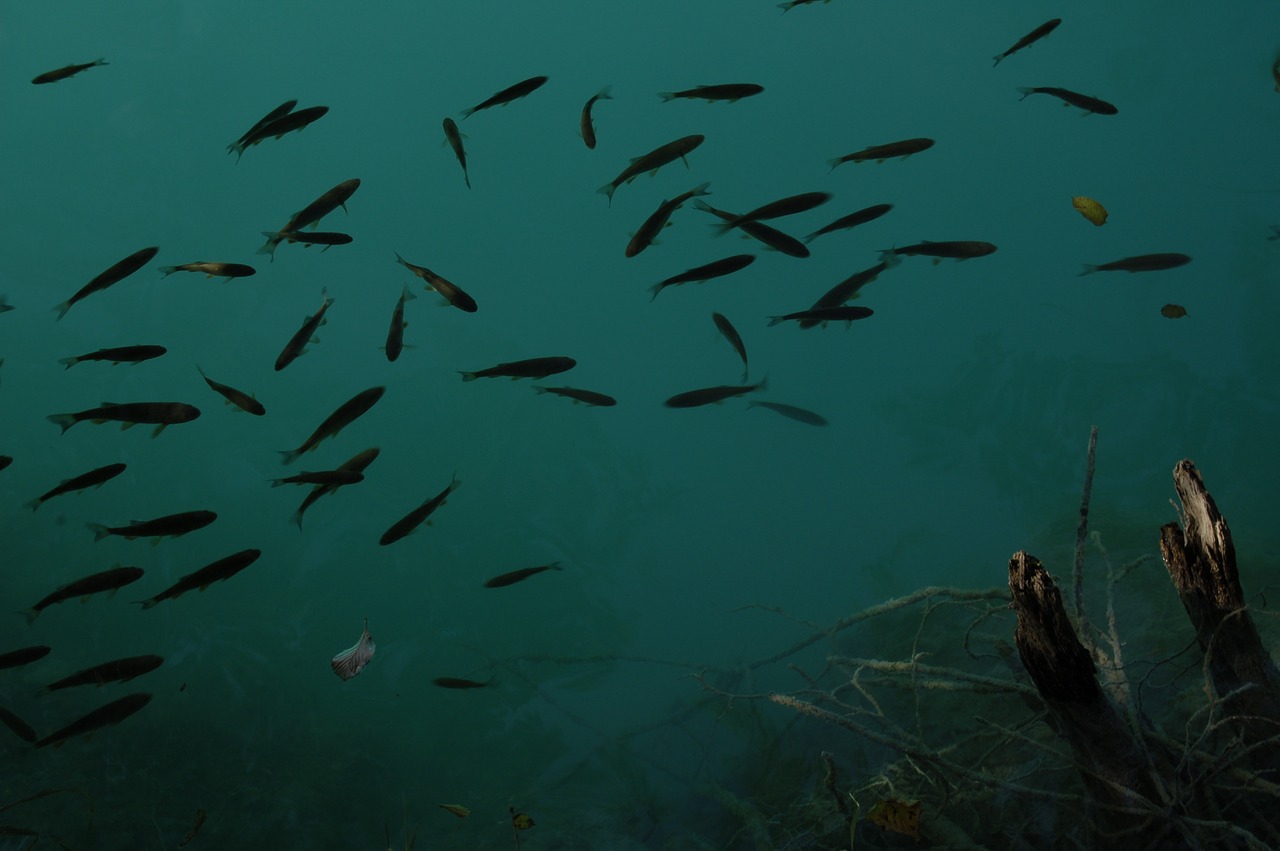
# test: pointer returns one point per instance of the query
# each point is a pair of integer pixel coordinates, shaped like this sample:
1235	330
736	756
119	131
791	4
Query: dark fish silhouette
313	213
107	580
510	93
240	399
118	272
297	344
20	728
800	415
520	575
277	127
759	231
454	137
585	126
65	72
652	161
118	355
823	315
212	269
714	269
110	713
170	525
118	670
93	479
451	292
1085	102
131	413
356	464
724	91
859	217
336	478
419	515
1030	38
24	656
880	153
279	112
735	339
395	334
529	368
1140	263
647	232
587	397
217	571
459	683
346	413
952	249
710	395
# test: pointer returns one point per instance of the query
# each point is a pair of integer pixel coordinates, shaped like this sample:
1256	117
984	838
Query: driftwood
1201	560
1114	764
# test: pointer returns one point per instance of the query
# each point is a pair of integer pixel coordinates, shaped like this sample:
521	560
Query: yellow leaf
457	809
897	816
1090	209
521	821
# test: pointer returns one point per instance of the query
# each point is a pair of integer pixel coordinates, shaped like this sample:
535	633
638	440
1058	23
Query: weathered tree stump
1115	767
1201	560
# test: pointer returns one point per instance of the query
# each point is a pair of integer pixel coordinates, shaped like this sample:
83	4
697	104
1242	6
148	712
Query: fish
660	218
772	237
889	150
952	249
1275	71
277	127
212	269
823	315
457	809
95	478
735	339
308	238
297	344
5	307
5	461
1087	103
216	571
168	526
520	575
356	464
725	91
411	521
118	670
130	414
714	269
454	137
65	71
585	127
504	97
859	217
791	4
845	290
24	656
321	477
1090	209
800	415
788	206
1275	234
458	683
1030	38
20	728
1140	263
346	413
240	399
395	334
351	661
119	355
311	214
114	275
528	368
279	112
678	149
587	397
452	292
109	713
195	828
104	581
710	395
1173	311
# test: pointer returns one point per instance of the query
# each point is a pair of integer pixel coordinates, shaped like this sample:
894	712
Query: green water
959	413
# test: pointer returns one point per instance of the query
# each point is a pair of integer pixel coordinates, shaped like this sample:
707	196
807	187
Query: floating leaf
521	821
1090	209
897	816
351	661
457	809
1173	311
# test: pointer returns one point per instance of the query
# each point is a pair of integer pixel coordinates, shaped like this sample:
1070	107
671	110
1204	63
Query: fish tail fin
835	161
667	96
701	189
774	320
274	238
290	455
63	308
69	362
34	504
148	603
555	565
101	60
998	58
1025	90
99	531
889	257
466	178
655	289
64	420
467	376
605	94
30	614
1089	269
275	483
297	519
168	270
607	190
466	113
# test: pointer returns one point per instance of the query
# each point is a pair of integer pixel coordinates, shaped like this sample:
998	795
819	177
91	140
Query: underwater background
689	539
